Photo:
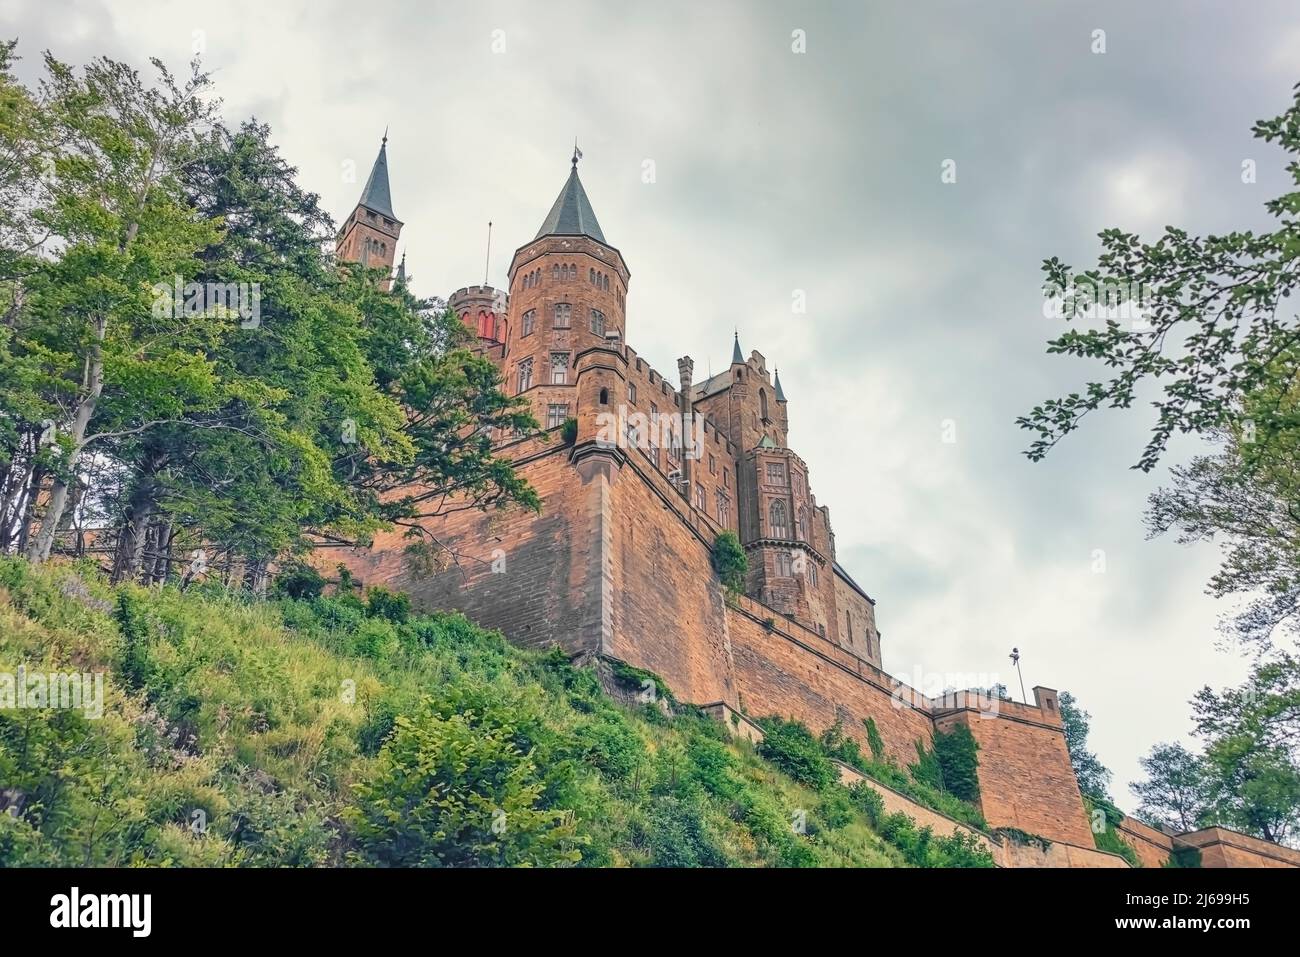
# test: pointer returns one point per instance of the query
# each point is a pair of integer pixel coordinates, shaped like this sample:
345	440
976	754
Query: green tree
1214	327
1173	794
730	561
1093	776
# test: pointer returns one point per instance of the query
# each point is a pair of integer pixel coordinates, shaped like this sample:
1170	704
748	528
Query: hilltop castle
618	564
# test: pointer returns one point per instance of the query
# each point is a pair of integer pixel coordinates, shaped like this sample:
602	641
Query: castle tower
369	235
564	338
483	309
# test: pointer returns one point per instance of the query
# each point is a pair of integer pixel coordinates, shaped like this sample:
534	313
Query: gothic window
604	397
775	473
556	413
606	284
486	325
812	573
784	566
526	280
529	318
724	509
555	272
559	368
573	271
631	392
797	480
762	401
778	521
525	375
591	276
699	496
803	524
597	322
562	312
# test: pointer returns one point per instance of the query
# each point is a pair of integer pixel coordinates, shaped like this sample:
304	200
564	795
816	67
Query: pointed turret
376	194
369	234
572	215
736	356
780	393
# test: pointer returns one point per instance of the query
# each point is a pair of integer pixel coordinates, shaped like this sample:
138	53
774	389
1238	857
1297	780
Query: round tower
568	291
483	309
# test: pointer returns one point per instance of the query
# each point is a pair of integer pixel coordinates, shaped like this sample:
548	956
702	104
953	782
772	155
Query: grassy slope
316	732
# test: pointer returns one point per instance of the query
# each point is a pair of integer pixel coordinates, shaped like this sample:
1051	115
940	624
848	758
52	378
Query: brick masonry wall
1223	848
1153	847
543	593
789	671
1025	776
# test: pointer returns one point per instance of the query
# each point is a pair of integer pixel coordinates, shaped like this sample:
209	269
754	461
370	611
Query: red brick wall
1025	776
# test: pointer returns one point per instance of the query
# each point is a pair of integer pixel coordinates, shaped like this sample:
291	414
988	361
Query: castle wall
785	669
1026	780
1223	848
1153	847
543	590
856	624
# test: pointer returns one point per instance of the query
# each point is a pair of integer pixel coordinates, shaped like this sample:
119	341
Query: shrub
298	580
730	561
1105	818
874	741
569	431
456	789
955	752
382	603
791	747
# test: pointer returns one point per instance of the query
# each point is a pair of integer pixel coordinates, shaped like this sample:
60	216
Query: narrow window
631	392
562	313
598	322
699	496
604	397
559	368
525	375
529	318
777	520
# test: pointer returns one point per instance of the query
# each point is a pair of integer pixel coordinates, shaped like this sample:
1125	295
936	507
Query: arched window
591	276
803	523
762	403
562	313
597	322
604	397
607	284
778	520
525	375
555	272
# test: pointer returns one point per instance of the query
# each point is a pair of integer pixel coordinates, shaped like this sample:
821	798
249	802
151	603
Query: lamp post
1015	660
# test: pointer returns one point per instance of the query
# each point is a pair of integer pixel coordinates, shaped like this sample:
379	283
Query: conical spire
401	277
780	393
572	214
376	195
735	351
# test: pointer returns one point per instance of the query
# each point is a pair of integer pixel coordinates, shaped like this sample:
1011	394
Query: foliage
569	431
955	752
730	561
1092	775
298	580
1215	325
874	741
183	366
791	747
309	732
1105	819
1174	792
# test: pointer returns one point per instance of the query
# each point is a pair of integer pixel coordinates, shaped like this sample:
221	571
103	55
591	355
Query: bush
569	431
730	561
456	789
1105	818
955	752
791	747
298	580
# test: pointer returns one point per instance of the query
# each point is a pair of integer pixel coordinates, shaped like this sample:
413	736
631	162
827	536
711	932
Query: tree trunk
39	550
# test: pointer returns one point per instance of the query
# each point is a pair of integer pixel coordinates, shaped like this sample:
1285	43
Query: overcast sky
777	171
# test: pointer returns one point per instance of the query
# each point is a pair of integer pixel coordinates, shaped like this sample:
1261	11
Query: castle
618	565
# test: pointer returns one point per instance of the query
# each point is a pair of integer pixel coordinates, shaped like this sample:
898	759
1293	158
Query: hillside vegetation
347	731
